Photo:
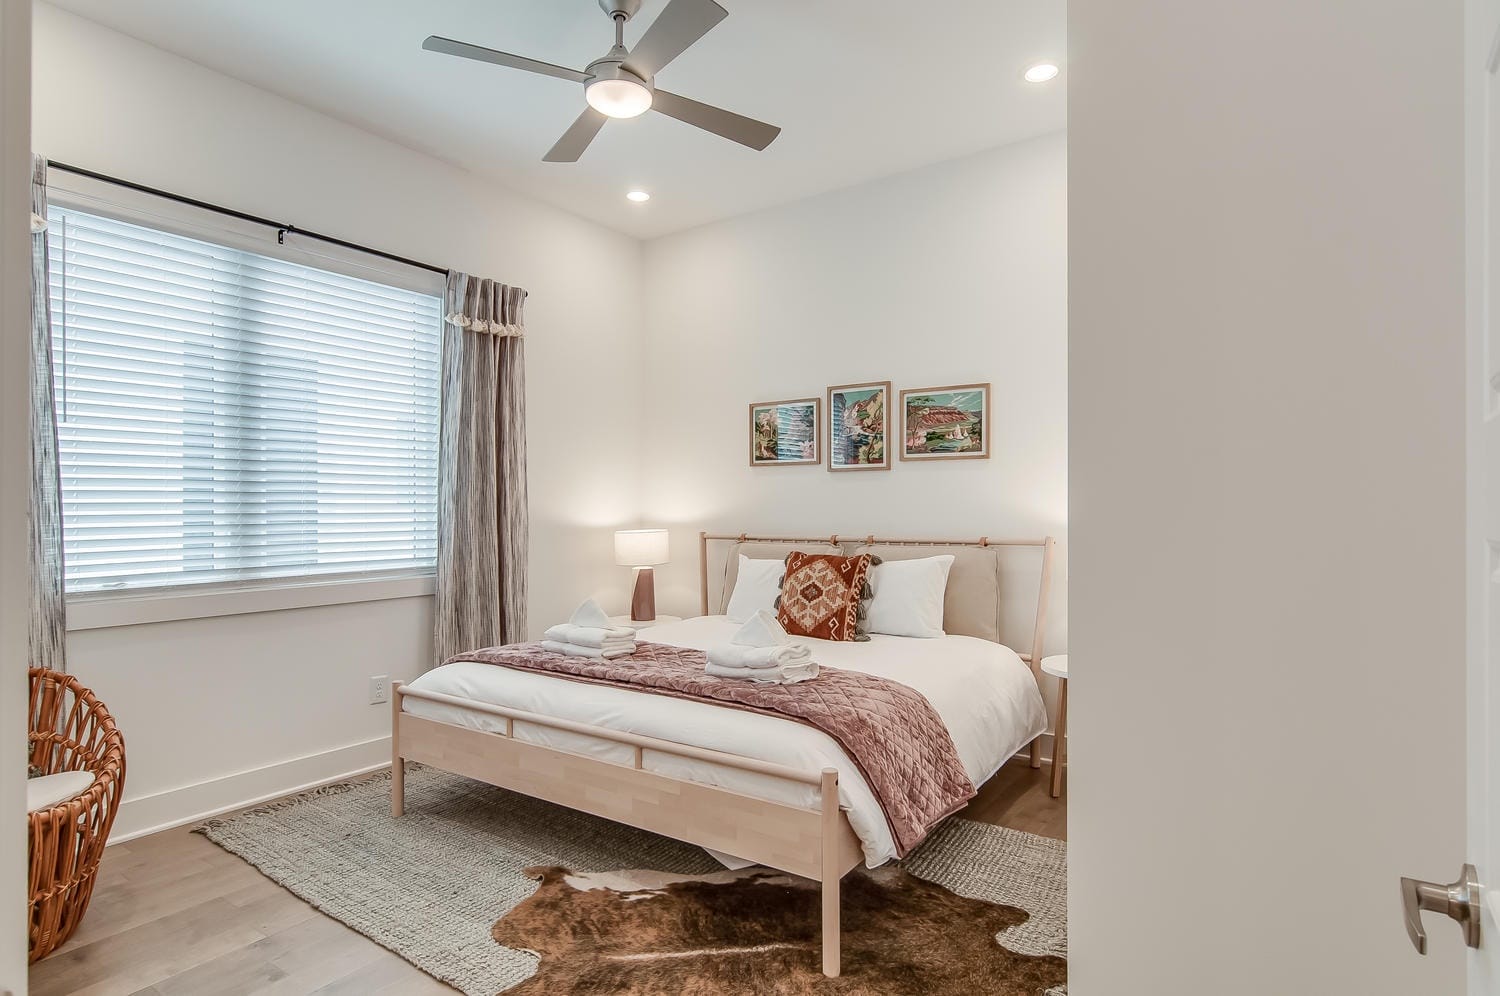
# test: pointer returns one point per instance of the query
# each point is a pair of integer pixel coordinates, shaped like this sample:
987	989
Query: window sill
101	610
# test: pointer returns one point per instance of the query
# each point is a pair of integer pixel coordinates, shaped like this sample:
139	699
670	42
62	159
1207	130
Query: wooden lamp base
643	603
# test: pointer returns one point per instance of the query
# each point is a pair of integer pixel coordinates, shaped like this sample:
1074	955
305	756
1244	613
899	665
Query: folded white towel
789	674
761	630
760	643
573	650
728	655
590	636
613	649
589	614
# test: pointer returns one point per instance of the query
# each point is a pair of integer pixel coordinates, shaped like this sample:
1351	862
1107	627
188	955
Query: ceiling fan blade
447	46
735	127
675	28
576	138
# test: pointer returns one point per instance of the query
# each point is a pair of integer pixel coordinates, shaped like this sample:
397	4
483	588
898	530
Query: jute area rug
495	892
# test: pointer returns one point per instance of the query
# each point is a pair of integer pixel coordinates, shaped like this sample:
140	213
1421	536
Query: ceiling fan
622	83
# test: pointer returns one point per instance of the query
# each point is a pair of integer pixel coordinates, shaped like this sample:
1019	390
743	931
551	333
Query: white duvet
985	694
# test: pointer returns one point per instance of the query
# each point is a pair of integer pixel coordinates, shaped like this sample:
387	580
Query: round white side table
1057	666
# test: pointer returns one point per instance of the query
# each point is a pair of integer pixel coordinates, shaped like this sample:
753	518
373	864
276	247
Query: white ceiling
861	89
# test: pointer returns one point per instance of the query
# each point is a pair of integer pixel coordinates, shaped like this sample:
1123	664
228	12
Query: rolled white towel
596	653
728	655
590	636
761	630
788	674
589	614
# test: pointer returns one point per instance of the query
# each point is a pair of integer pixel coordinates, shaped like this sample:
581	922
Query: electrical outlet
380	688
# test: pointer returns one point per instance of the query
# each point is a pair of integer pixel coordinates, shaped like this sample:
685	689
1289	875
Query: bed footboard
814	843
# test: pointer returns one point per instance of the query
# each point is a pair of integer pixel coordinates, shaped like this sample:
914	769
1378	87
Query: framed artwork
858	419
946	423
784	433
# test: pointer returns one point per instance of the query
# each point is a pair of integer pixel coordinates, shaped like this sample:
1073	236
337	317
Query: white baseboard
1024	754
191	803
204	800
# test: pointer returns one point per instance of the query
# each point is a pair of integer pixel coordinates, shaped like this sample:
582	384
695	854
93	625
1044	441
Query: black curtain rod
281	229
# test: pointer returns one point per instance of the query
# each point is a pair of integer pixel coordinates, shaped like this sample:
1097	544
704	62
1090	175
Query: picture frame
786	433
946	423
859	422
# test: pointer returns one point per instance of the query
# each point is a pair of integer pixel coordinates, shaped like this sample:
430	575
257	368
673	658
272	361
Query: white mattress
984	692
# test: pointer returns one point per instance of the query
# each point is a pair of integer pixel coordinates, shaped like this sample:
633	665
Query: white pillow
908	597
756	587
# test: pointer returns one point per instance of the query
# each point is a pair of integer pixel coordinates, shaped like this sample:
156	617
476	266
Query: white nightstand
1057	666
626	621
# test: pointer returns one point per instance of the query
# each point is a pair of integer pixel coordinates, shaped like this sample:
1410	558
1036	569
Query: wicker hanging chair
70	730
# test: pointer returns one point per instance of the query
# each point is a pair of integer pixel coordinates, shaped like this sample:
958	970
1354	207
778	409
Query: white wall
950	274
1267	493
15	475
203	701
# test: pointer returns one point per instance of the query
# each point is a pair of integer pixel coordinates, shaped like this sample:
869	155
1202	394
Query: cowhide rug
469	887
643	933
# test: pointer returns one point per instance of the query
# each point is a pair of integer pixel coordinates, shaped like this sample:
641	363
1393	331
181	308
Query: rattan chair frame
70	730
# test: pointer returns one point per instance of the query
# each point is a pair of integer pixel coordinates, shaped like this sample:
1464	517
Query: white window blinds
226	417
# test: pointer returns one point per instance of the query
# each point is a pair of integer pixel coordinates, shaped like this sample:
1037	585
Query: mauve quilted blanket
890	731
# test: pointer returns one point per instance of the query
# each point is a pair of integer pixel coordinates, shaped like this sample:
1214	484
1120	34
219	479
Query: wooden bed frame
818	844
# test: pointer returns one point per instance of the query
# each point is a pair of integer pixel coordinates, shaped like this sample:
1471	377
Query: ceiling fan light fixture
622	82
618	98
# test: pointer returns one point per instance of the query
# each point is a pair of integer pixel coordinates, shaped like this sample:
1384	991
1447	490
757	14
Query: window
225	416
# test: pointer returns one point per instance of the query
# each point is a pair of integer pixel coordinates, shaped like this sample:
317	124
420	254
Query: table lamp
642	549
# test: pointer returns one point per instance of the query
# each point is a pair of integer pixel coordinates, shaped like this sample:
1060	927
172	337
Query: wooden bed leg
1036	753
398	766
831	876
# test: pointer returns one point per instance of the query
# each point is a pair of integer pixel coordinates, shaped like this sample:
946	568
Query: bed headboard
973	607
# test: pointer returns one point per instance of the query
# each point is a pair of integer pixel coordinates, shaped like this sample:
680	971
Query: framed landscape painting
858	422
784	433
946	423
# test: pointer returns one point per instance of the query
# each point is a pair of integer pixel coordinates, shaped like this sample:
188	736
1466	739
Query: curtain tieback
482	325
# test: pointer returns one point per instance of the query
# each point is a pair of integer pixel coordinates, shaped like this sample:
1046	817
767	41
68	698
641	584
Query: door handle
1459	900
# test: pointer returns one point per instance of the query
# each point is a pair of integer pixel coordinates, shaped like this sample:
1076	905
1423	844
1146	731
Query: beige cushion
971	605
47	791
760	551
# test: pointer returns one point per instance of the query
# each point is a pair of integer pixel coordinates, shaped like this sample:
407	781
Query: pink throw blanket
890	731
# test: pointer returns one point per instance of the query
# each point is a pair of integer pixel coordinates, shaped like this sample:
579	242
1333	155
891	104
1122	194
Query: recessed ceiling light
639	196
1041	72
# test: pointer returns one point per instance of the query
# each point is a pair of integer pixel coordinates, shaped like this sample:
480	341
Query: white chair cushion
51	790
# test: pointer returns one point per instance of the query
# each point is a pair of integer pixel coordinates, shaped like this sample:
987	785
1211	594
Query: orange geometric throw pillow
823	596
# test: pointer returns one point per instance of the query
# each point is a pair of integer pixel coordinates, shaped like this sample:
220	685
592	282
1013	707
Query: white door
1482	89
1267	467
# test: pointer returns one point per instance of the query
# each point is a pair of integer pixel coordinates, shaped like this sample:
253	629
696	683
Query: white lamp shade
640	547
618	98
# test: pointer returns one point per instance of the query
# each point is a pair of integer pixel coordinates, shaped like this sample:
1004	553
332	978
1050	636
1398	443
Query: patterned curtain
482	525
48	629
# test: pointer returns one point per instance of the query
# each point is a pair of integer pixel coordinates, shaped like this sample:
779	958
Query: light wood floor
173	915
